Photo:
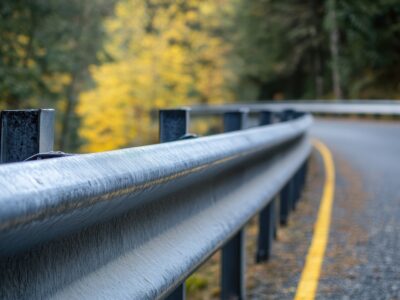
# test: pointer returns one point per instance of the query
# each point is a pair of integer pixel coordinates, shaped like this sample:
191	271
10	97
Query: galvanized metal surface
134	223
391	108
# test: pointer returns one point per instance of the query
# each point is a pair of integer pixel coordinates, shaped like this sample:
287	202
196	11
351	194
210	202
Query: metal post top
25	133
241	110
183	108
28	110
174	124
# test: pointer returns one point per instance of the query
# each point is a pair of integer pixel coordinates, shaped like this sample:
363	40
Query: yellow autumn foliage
164	53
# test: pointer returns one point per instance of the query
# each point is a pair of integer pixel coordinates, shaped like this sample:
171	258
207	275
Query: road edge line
308	283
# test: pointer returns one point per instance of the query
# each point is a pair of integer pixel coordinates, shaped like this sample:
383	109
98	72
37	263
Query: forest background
107	66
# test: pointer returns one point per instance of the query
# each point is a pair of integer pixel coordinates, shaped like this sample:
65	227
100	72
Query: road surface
363	255
362	258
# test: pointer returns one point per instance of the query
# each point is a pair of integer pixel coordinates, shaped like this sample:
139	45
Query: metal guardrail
360	107
135	223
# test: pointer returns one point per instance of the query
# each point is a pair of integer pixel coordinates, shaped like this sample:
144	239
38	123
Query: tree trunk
334	47
317	52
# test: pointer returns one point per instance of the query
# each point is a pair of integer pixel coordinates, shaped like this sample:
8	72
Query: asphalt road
362	260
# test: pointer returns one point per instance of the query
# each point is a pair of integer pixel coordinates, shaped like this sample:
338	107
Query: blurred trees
107	65
315	48
163	53
281	44
45	49
370	48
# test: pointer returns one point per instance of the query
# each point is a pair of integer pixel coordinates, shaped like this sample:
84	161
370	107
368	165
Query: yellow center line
308	283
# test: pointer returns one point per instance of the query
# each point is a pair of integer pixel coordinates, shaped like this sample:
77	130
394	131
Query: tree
281	46
45	51
334	47
370	43
314	48
164	54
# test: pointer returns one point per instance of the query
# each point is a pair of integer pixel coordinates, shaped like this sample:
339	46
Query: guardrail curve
134	223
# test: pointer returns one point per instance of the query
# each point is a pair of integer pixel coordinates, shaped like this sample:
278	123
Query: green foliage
279	43
106	64
196	282
45	50
285	47
371	47
164	53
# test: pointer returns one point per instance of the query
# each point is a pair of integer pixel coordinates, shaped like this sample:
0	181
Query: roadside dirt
347	234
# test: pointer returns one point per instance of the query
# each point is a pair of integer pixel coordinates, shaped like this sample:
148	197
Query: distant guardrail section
360	107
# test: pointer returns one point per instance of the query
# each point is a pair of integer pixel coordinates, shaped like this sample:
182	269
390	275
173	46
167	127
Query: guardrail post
174	124
235	120
287	193
277	215
233	252
285	196
303	174
302	177
298	178
25	133
267	222
178	294
296	188
305	170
